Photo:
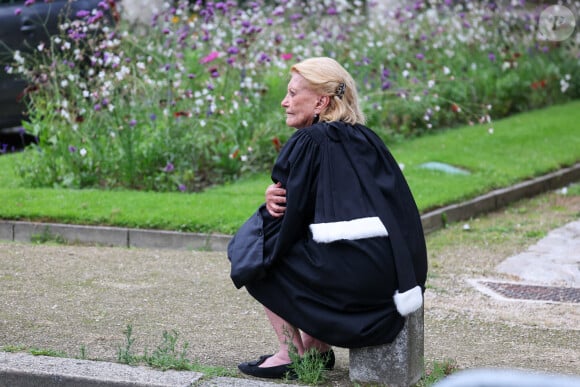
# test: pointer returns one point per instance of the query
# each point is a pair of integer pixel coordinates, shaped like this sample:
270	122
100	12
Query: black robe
347	260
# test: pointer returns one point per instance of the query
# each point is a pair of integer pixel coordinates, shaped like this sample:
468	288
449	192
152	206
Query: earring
316	117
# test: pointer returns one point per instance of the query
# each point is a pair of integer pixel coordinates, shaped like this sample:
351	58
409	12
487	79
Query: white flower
18	58
83	152
244	158
490	131
405	73
431	83
564	191
40	47
466	227
446	70
64	83
417	98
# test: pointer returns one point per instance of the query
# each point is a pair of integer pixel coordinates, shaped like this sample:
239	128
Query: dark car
24	24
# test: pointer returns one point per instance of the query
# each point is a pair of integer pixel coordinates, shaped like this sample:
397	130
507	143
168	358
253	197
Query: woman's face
300	103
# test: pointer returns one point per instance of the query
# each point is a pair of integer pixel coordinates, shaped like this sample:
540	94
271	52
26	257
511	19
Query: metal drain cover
533	292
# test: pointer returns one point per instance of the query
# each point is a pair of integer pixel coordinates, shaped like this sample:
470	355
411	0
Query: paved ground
77	298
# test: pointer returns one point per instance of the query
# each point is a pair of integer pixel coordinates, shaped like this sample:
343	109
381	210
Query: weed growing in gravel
47	236
125	355
46	352
309	368
168	355
437	371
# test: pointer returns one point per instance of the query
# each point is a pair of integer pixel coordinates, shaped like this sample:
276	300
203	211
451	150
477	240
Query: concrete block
522	190
106	236
6	231
432	221
398	364
24	370
159	239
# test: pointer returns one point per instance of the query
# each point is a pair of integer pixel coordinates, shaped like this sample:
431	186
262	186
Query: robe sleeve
297	169
262	239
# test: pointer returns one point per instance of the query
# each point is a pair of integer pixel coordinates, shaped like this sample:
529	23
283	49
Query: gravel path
65	298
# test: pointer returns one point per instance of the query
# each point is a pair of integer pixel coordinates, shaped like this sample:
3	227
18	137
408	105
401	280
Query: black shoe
253	368
328	359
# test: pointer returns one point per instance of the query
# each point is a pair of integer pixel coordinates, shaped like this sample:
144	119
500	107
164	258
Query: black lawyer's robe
347	260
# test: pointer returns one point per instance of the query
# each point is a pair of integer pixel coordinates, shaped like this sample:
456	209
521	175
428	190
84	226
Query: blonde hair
327	77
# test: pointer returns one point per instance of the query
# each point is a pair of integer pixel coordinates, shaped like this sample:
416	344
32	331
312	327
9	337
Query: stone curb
126	237
25	370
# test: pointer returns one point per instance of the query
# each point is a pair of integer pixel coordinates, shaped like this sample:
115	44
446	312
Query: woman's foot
268	366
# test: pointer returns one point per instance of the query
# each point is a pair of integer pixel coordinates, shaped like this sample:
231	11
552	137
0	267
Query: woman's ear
323	102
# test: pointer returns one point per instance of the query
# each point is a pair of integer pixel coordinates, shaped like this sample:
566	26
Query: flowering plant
195	100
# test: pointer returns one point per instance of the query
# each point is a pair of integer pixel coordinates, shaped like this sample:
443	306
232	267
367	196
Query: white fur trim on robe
360	228
409	301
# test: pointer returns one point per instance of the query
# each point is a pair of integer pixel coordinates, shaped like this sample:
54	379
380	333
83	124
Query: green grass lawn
520	147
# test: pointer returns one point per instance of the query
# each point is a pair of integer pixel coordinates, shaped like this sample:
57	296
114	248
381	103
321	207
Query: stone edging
137	238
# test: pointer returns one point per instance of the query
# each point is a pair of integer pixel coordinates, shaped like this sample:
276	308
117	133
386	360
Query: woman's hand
276	200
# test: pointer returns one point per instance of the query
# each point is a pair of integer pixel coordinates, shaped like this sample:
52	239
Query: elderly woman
337	253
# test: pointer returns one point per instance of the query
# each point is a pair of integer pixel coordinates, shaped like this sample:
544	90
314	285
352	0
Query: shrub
195	101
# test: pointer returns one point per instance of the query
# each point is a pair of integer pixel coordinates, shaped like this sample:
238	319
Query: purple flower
28	3
97	16
153	117
214	73
420	56
491	56
17	12
169	167
182	187
83	13
4	148
133	122
97	107
263	58
72	149
332	11
295	17
386	85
